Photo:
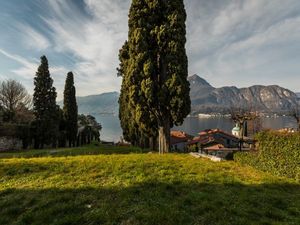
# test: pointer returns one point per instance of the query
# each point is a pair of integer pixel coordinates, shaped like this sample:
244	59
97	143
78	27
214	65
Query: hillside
98	187
95	104
205	98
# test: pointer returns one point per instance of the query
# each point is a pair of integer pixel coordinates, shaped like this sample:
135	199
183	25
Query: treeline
38	121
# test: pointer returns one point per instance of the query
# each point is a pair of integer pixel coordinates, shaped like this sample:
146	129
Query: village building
236	131
220	137
214	141
179	141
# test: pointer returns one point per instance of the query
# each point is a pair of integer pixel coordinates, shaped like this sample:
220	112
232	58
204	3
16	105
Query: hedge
20	131
278	153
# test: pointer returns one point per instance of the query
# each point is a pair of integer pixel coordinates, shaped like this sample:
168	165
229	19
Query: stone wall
10	143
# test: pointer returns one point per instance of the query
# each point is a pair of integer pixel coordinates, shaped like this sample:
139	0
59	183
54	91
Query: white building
236	131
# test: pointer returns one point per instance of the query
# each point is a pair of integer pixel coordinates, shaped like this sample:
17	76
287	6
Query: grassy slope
139	189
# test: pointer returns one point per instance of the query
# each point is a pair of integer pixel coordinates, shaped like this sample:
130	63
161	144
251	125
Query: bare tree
13	96
240	116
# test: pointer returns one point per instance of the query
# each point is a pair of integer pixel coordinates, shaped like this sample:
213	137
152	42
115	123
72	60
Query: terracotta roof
179	137
214	131
208	139
178	134
205	140
215	147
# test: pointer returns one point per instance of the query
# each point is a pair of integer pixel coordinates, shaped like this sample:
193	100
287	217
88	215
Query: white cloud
27	68
94	40
33	39
230	42
27	71
243	41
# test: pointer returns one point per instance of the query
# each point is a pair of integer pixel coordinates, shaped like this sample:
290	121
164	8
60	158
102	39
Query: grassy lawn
92	149
106	185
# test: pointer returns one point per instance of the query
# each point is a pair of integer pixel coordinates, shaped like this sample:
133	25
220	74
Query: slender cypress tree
45	108
156	70
70	110
126	114
132	132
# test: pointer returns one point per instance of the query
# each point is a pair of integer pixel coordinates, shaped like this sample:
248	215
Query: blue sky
230	42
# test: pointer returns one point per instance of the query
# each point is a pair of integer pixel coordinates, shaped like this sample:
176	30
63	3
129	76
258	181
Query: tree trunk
242	136
152	143
36	143
164	120
79	140
164	137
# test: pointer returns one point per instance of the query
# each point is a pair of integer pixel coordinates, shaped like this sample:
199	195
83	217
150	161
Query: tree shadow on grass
154	203
63	152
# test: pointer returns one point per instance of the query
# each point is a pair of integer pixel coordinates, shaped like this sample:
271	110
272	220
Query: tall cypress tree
70	109
132	132
156	71
126	114
45	108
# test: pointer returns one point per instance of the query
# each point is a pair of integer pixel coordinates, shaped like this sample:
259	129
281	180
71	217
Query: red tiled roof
214	131
204	140
180	134
215	147
179	137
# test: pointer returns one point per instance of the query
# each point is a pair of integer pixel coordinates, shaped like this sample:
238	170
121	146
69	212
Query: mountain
206	99
197	83
98	104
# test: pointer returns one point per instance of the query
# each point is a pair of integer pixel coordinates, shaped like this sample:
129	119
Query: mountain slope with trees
206	98
96	104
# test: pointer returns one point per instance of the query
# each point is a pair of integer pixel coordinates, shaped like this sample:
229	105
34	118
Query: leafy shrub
278	153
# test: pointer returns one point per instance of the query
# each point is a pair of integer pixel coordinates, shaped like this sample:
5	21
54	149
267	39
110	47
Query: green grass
106	185
92	149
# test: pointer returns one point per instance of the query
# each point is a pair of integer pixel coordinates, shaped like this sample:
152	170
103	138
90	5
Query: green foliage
89	129
24	133
278	154
127	121
62	130
45	108
153	64
20	131
70	110
98	187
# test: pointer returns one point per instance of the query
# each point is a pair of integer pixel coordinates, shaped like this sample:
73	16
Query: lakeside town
105	120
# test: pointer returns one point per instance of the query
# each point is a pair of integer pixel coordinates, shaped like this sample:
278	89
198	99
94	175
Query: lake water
111	130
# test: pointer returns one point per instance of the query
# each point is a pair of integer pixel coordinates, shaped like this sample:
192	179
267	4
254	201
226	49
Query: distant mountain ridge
207	99
105	103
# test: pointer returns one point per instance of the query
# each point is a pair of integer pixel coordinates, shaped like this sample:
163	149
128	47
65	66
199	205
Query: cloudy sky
230	42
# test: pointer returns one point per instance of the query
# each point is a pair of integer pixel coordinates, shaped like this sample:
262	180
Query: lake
111	130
